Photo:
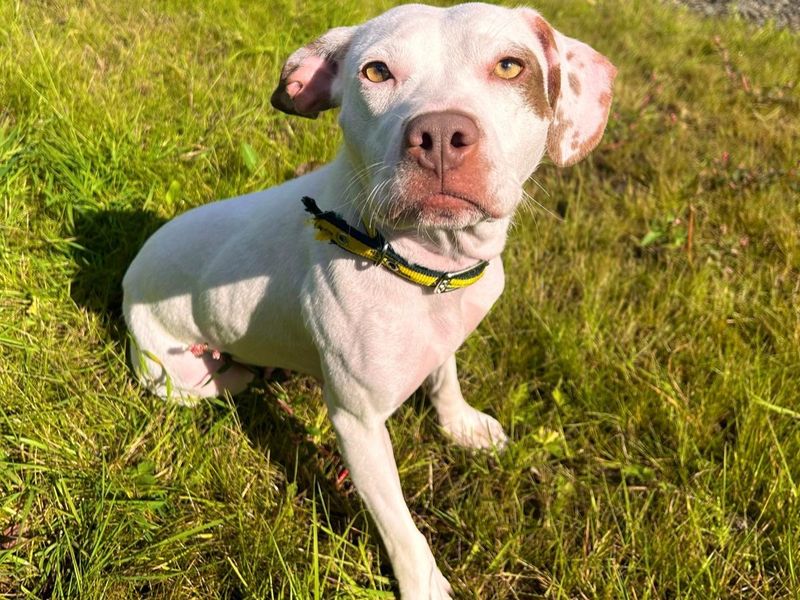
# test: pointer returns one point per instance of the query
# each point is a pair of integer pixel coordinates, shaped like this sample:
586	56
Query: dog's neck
440	249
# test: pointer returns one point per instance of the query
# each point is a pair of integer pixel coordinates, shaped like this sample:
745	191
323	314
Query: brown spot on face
574	84
534	90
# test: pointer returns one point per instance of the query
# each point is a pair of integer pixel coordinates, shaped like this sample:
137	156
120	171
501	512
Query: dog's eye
508	68
376	72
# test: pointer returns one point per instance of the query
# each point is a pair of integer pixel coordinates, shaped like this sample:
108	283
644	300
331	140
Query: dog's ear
579	81
308	79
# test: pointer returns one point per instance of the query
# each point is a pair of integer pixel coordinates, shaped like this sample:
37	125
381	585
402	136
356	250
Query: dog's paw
436	587
417	574
473	429
440	587
443	589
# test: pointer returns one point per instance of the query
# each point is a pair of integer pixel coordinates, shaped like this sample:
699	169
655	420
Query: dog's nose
440	141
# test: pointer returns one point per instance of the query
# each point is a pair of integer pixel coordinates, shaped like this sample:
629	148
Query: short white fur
247	276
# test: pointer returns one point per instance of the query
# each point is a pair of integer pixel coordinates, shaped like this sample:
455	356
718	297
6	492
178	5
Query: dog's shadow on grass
308	460
105	243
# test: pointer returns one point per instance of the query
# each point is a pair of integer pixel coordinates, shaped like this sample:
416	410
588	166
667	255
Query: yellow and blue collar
372	246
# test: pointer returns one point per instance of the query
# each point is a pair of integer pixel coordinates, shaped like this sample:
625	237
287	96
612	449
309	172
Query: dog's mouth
441	209
416	198
449	202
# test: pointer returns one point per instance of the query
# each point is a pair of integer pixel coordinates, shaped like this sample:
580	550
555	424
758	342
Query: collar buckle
442	284
384	249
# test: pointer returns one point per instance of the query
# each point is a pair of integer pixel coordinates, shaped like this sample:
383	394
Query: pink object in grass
216	355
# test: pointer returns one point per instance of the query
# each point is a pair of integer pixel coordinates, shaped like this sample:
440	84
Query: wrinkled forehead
426	33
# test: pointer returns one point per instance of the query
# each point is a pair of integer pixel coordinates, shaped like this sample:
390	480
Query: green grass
648	375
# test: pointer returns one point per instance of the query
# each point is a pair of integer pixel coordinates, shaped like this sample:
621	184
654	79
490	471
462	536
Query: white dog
392	258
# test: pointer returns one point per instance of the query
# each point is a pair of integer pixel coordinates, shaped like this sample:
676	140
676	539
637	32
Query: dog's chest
390	334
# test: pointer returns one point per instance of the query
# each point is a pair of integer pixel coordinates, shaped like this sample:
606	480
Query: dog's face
446	112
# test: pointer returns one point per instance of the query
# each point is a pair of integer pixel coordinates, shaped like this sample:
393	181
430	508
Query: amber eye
508	68
376	72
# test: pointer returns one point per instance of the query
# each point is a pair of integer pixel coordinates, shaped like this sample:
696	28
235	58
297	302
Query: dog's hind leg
180	370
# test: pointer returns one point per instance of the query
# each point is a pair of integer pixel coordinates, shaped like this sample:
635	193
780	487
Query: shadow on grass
313	464
107	241
269	423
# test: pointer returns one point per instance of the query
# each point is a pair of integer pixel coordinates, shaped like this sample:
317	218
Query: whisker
529	197
539	185
357	178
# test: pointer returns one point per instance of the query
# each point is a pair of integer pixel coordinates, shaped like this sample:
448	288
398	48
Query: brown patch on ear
574	84
558	129
544	34
581	103
589	144
605	101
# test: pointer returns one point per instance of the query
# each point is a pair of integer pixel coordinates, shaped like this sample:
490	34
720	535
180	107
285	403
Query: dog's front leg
464	424
367	452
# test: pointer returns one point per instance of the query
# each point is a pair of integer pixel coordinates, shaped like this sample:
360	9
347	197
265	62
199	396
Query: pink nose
440	141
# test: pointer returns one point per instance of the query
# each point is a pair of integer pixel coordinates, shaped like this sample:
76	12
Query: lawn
645	357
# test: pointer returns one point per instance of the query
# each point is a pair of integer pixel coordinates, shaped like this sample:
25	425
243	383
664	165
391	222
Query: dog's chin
439	211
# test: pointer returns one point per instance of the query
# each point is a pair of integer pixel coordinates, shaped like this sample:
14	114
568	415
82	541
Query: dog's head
447	112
